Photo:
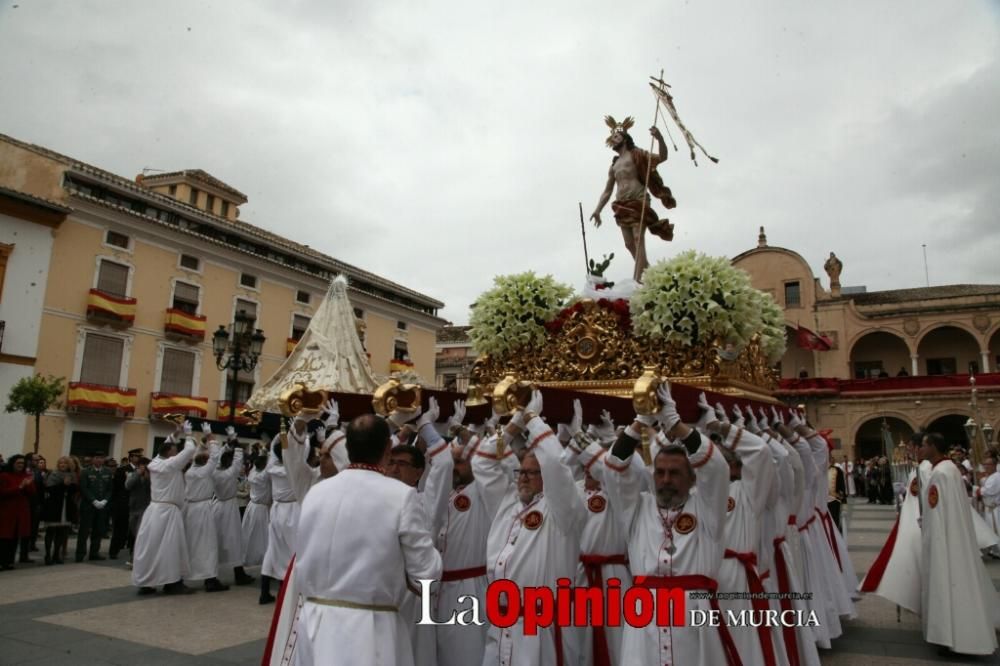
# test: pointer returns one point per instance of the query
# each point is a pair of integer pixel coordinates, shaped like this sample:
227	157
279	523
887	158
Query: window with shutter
248	307
186	297
244	385
400	352
112	278
299	326
177	373
102	360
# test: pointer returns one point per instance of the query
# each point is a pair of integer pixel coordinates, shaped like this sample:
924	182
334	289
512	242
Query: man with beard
632	170
674	534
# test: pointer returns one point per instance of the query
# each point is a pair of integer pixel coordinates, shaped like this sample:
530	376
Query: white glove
793	419
97	504
230	433
739	421
455	420
707	414
187	427
431	415
606	431
534	406
206	428
667	416
403	416
332	410
776	417
320	434
765	423
720	413
576	423
752	425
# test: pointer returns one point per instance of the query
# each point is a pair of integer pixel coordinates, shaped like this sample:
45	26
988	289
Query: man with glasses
535	537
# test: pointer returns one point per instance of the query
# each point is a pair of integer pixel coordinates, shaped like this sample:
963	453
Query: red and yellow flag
96	396
166	403
185	323
122	308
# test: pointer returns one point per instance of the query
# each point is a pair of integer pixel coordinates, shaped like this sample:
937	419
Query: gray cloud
440	144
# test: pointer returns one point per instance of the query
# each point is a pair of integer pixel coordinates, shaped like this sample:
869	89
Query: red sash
697	583
828	528
462	574
592	567
784	587
874	576
759	603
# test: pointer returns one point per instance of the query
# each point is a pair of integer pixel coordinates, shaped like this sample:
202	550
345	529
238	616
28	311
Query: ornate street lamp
244	349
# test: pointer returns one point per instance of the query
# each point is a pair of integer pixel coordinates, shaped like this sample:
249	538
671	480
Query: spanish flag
166	403
122	308
185	323
98	397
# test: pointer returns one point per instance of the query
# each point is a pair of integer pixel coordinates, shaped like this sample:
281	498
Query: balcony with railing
107	309
829	387
100	400
183	325
162	404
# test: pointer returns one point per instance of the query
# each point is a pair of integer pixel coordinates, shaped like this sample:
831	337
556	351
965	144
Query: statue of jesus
632	169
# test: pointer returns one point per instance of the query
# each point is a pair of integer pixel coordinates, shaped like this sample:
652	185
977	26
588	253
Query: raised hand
332	410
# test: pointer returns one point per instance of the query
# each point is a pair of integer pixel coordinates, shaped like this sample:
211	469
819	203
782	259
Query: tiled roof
196	174
924	293
305	251
35	201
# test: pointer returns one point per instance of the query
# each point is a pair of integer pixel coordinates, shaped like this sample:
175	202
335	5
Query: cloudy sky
442	143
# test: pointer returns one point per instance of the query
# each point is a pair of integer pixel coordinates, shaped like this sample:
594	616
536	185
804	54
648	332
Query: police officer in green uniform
95	489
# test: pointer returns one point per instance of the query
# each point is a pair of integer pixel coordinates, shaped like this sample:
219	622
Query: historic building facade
142	272
899	360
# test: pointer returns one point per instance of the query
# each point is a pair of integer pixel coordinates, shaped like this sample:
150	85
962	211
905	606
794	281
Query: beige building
899	360
454	358
144	271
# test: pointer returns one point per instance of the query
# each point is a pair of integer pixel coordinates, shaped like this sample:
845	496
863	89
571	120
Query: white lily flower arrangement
512	315
694	299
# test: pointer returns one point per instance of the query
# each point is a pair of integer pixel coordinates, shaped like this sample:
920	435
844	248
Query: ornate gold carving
593	353
393	397
299	398
510	395
644	398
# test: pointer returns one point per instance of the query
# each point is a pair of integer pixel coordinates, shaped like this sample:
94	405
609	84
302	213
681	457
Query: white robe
959	603
462	544
698	552
896	573
533	545
161	551
283	522
199	519
746	507
374	529
602	535
227	513
254	527
989	493
434	489
820	574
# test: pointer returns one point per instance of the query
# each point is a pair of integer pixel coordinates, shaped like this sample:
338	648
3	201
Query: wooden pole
640	240
583	232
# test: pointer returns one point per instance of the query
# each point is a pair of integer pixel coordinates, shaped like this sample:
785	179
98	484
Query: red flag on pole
809	340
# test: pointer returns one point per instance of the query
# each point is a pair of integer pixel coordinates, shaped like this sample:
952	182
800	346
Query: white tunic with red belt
534	544
254	527
227	512
199	520
283	522
462	543
740	571
669	545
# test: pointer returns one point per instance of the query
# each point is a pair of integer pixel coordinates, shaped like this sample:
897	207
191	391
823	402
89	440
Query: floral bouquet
512	315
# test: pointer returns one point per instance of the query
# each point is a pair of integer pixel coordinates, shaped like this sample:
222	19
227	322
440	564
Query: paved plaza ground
89	614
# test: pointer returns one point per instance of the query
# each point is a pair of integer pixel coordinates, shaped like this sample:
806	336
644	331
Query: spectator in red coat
17	487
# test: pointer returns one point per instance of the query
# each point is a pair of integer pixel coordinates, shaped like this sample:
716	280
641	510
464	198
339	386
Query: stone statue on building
633	170
833	266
